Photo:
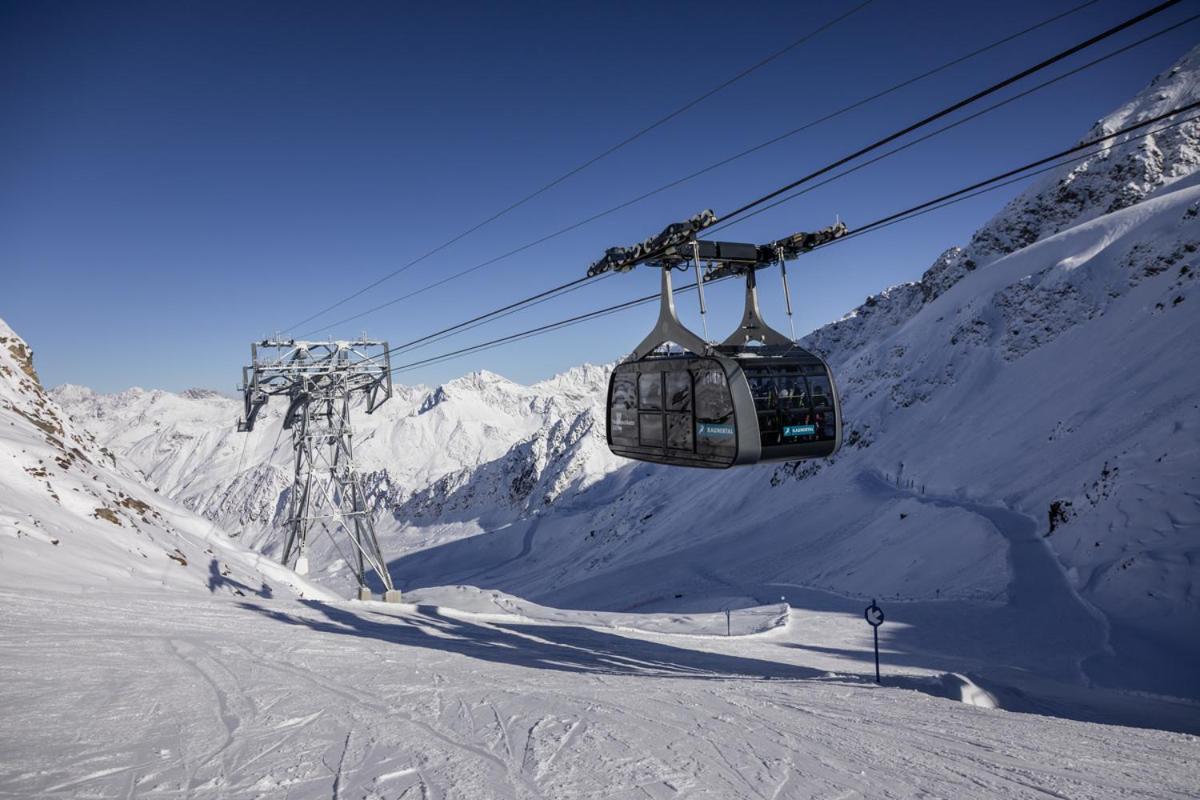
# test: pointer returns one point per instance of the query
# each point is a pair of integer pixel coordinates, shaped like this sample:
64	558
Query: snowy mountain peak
481	379
72	393
585	379
201	394
480	385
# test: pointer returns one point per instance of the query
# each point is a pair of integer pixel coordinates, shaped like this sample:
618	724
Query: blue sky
177	179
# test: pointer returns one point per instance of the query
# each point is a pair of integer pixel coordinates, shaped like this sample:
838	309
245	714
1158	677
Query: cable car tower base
319	380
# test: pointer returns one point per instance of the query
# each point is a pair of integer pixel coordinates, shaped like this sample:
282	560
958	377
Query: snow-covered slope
72	519
1022	439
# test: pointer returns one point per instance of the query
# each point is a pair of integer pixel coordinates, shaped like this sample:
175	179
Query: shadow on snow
220	580
561	648
567	648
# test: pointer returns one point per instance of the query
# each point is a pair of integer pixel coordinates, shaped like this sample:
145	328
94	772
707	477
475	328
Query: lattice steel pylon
319	380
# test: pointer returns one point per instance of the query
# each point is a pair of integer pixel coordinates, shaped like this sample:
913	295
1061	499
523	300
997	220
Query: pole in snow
874	617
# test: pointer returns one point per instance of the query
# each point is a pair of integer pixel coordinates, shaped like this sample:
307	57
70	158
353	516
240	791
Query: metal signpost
874	617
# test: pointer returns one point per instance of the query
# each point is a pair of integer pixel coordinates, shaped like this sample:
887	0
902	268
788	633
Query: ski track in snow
526	549
166	696
1038	586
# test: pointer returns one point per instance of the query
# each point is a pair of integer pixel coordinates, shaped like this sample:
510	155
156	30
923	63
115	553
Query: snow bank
470	599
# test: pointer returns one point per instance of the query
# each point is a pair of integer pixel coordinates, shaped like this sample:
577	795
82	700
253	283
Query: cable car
756	397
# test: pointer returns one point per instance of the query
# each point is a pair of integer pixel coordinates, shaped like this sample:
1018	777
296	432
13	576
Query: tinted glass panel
825	424
713	401
651	426
762	389
650	390
623	414
766	403
679	391
823	418
819	386
793	403
679	431
768	427
792	391
796	418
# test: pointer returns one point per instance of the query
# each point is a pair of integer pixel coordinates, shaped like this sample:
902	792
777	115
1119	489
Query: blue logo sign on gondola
799	430
709	429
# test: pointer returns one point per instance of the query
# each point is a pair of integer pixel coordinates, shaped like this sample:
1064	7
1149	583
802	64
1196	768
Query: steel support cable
834	114
492	316
955	124
511	308
594	159
604	312
728	218
965	193
541	329
1020	170
716	165
991	188
572	285
502	311
995	87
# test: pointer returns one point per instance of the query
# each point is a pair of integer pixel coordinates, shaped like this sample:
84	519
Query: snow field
162	696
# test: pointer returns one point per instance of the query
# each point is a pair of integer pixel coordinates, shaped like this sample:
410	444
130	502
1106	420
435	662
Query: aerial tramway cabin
756	397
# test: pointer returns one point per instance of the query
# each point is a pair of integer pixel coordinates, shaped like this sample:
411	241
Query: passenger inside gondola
766	403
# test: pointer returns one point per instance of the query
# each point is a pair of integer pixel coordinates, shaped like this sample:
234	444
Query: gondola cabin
756	397
723	410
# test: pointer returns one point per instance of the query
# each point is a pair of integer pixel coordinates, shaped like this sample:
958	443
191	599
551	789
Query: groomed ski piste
577	626
168	694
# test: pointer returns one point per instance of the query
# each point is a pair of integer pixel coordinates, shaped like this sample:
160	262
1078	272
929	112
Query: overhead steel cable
716	165
955	124
500	313
572	285
950	109
995	182
1032	165
822	171
445	280
540	329
594	159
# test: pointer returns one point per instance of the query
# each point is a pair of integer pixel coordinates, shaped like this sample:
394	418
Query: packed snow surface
167	695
